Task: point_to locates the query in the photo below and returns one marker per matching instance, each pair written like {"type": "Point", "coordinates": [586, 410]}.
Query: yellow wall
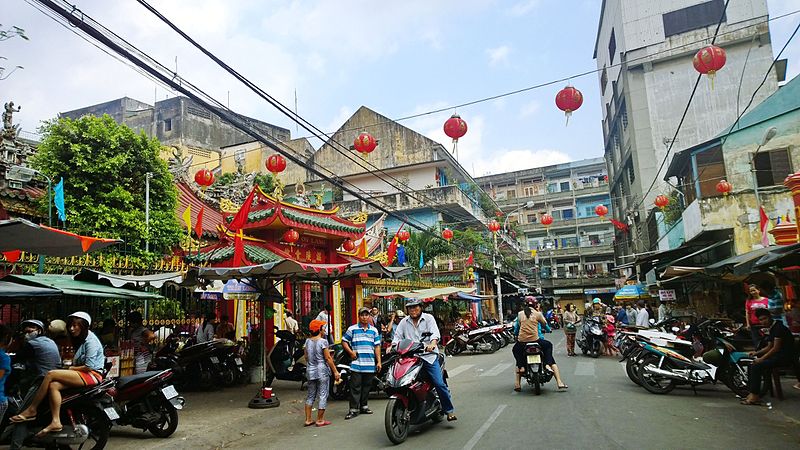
{"type": "Point", "coordinates": [201, 158]}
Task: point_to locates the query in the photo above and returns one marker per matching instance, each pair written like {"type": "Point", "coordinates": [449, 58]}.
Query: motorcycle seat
{"type": "Point", "coordinates": [124, 382]}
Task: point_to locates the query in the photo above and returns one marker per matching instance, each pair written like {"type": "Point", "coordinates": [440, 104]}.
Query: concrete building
{"type": "Point", "coordinates": [572, 257]}
{"type": "Point", "coordinates": [644, 53]}
{"type": "Point", "coordinates": [180, 122]}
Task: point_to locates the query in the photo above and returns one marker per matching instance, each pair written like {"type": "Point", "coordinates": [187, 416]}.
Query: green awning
{"type": "Point", "coordinates": [68, 286]}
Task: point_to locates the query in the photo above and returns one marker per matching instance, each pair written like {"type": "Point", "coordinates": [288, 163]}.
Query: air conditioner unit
{"type": "Point", "coordinates": [14, 184]}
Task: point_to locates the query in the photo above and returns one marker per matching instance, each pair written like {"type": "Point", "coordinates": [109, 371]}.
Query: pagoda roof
{"type": "Point", "coordinates": [269, 212]}
{"type": "Point", "coordinates": [217, 255]}
{"type": "Point", "coordinates": [212, 218]}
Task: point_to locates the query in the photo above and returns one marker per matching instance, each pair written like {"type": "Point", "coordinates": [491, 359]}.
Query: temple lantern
{"type": "Point", "coordinates": [403, 235]}
{"type": "Point", "coordinates": [291, 236]}
{"type": "Point", "coordinates": [601, 210]}
{"type": "Point", "coordinates": [455, 127]}
{"type": "Point", "coordinates": [204, 178]}
{"type": "Point", "coordinates": [365, 143]}
{"type": "Point", "coordinates": [708, 60]}
{"type": "Point", "coordinates": [546, 220]}
{"type": "Point", "coordinates": [662, 201]}
{"type": "Point", "coordinates": [447, 234]}
{"type": "Point", "coordinates": [568, 100]}
{"type": "Point", "coordinates": [724, 188]}
{"type": "Point", "coordinates": [494, 226]}
{"type": "Point", "coordinates": [276, 164]}
{"type": "Point", "coordinates": [348, 245]}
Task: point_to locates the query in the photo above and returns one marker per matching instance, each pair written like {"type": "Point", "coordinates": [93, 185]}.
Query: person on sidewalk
{"type": "Point", "coordinates": [142, 339]}
{"type": "Point", "coordinates": [362, 342]}
{"type": "Point", "coordinates": [325, 316]}
{"type": "Point", "coordinates": [318, 372]}
{"type": "Point", "coordinates": [413, 327]}
{"type": "Point", "coordinates": [291, 324]}
{"type": "Point", "coordinates": [631, 313]}
{"type": "Point", "coordinates": [642, 316]}
{"type": "Point", "coordinates": [571, 319]}
{"type": "Point", "coordinates": [778, 352]}
{"type": "Point", "coordinates": [225, 329]}
{"type": "Point", "coordinates": [754, 301]}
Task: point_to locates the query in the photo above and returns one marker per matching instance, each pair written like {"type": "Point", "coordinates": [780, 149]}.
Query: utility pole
{"type": "Point", "coordinates": [147, 177]}
{"type": "Point", "coordinates": [496, 265]}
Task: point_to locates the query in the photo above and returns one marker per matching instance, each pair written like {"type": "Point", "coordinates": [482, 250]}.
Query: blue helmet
{"type": "Point", "coordinates": [413, 302]}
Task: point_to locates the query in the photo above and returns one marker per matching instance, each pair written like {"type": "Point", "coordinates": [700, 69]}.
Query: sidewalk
{"type": "Point", "coordinates": [218, 419]}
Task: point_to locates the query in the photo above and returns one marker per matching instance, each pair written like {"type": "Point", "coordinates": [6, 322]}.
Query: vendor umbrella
{"type": "Point", "coordinates": [22, 235]}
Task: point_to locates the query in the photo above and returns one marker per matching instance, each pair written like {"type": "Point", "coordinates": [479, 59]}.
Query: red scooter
{"type": "Point", "coordinates": [412, 398]}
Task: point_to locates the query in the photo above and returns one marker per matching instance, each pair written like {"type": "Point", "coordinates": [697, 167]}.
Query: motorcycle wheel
{"type": "Point", "coordinates": [631, 370]}
{"type": "Point", "coordinates": [537, 386]}
{"type": "Point", "coordinates": [502, 341]}
{"type": "Point", "coordinates": [495, 345]}
{"type": "Point", "coordinates": [595, 349]}
{"type": "Point", "coordinates": [653, 383]}
{"type": "Point", "coordinates": [735, 381]}
{"type": "Point", "coordinates": [395, 422]}
{"type": "Point", "coordinates": [167, 424]}
{"type": "Point", "coordinates": [98, 436]}
{"type": "Point", "coordinates": [450, 348]}
{"type": "Point", "coordinates": [228, 377]}
{"type": "Point", "coordinates": [340, 391]}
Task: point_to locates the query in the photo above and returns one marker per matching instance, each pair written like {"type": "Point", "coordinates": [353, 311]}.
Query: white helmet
{"type": "Point", "coordinates": [82, 315]}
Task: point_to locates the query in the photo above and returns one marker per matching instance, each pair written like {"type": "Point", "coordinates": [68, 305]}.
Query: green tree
{"type": "Point", "coordinates": [430, 245]}
{"type": "Point", "coordinates": [104, 165]}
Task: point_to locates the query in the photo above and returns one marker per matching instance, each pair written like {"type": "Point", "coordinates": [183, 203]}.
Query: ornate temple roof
{"type": "Point", "coordinates": [212, 218]}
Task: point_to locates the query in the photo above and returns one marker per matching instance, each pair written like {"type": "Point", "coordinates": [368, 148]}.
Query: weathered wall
{"type": "Point", "coordinates": [415, 177]}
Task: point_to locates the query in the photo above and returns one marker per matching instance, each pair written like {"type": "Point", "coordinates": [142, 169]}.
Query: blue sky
{"type": "Point", "coordinates": [398, 58]}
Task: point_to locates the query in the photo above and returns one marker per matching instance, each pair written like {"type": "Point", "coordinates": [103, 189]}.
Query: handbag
{"type": "Point", "coordinates": [570, 328]}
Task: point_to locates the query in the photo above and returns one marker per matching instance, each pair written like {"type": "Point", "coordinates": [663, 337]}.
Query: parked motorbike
{"type": "Point", "coordinates": [536, 374]}
{"type": "Point", "coordinates": [86, 414]}
{"type": "Point", "coordinates": [148, 401]}
{"type": "Point", "coordinates": [286, 359]}
{"type": "Point", "coordinates": [480, 340]}
{"type": "Point", "coordinates": [413, 400]}
{"type": "Point", "coordinates": [196, 366]}
{"type": "Point", "coordinates": [592, 336]}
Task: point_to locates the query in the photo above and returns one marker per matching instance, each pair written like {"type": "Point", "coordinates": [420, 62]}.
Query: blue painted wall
{"type": "Point", "coordinates": [586, 205]}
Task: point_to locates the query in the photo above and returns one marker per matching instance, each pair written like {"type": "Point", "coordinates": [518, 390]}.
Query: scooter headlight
{"type": "Point", "coordinates": [408, 378]}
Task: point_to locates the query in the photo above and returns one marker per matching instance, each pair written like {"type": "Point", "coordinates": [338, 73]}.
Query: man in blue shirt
{"type": "Point", "coordinates": [362, 342]}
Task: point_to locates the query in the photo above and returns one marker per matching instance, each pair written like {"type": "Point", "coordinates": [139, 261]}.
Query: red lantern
{"type": "Point", "coordinates": [601, 210]}
{"type": "Point", "coordinates": [494, 226]}
{"type": "Point", "coordinates": [455, 127]}
{"type": "Point", "coordinates": [291, 236]}
{"type": "Point", "coordinates": [447, 233]}
{"type": "Point", "coordinates": [498, 213]}
{"type": "Point", "coordinates": [568, 100]}
{"type": "Point", "coordinates": [276, 163]}
{"type": "Point", "coordinates": [546, 220]}
{"type": "Point", "coordinates": [724, 188]}
{"type": "Point", "coordinates": [348, 245]}
{"type": "Point", "coordinates": [365, 143]}
{"type": "Point", "coordinates": [403, 235]}
{"type": "Point", "coordinates": [662, 201]}
{"type": "Point", "coordinates": [204, 178]}
{"type": "Point", "coordinates": [708, 60]}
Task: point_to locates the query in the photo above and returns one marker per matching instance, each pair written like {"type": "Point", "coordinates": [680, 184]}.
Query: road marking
{"type": "Point", "coordinates": [484, 428]}
{"type": "Point", "coordinates": [494, 371]}
{"type": "Point", "coordinates": [459, 369]}
{"type": "Point", "coordinates": [584, 369]}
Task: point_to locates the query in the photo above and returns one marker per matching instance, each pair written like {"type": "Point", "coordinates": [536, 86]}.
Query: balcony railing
{"type": "Point", "coordinates": [602, 188]}
{"type": "Point", "coordinates": [443, 198]}
{"type": "Point", "coordinates": [584, 250]}
{"type": "Point", "coordinates": [564, 223]}
{"type": "Point", "coordinates": [578, 281]}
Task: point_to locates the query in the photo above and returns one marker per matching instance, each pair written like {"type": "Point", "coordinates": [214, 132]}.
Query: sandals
{"type": "Point", "coordinates": [451, 417]}
{"type": "Point", "coordinates": [323, 424]}
{"type": "Point", "coordinates": [45, 431]}
{"type": "Point", "coordinates": [19, 418]}
{"type": "Point", "coordinates": [517, 389]}
{"type": "Point", "coordinates": [308, 424]}
{"type": "Point", "coordinates": [750, 403]}
{"type": "Point", "coordinates": [562, 387]}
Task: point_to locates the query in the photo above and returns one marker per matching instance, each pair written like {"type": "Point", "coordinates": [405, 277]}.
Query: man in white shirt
{"type": "Point", "coordinates": [642, 317]}
{"type": "Point", "coordinates": [291, 324]}
{"type": "Point", "coordinates": [324, 316]}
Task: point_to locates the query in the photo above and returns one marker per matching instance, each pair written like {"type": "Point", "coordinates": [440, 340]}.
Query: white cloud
{"type": "Point", "coordinates": [529, 108]}
{"type": "Point", "coordinates": [503, 160]}
{"type": "Point", "coordinates": [524, 7]}
{"type": "Point", "coordinates": [498, 55]}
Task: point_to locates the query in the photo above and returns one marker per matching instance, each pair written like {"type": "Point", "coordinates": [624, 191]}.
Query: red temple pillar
{"type": "Point", "coordinates": [793, 183]}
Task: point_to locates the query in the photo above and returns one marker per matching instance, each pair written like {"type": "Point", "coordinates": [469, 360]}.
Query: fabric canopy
{"type": "Point", "coordinates": [134, 281]}
{"type": "Point", "coordinates": [67, 286]}
{"type": "Point", "coordinates": [782, 256]}
{"type": "Point", "coordinates": [16, 290]}
{"type": "Point", "coordinates": [290, 268]}
{"type": "Point", "coordinates": [425, 293]}
{"type": "Point", "coordinates": [739, 264]}
{"type": "Point", "coordinates": [26, 236]}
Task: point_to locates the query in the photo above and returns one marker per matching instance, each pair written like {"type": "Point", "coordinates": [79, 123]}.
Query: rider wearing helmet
{"type": "Point", "coordinates": [413, 326]}
{"type": "Point", "coordinates": [39, 353]}
{"type": "Point", "coordinates": [86, 368]}
{"type": "Point", "coordinates": [526, 326]}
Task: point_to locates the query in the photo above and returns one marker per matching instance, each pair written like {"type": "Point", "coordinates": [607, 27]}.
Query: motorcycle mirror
{"type": "Point", "coordinates": [675, 329]}
{"type": "Point", "coordinates": [652, 321]}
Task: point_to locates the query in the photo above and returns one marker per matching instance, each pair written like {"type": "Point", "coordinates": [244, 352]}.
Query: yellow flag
{"type": "Point", "coordinates": [533, 253]}
{"type": "Point", "coordinates": [187, 219]}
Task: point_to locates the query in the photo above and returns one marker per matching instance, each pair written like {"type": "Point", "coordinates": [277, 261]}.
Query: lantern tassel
{"type": "Point", "coordinates": [712, 74]}
{"type": "Point", "coordinates": [568, 114]}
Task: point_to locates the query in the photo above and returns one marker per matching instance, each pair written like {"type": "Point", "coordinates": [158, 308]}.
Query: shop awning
{"type": "Point", "coordinates": [738, 265]}
{"type": "Point", "coordinates": [16, 290]}
{"type": "Point", "coordinates": [289, 268]}
{"type": "Point", "coordinates": [697, 252]}
{"type": "Point", "coordinates": [26, 236]}
{"type": "Point", "coordinates": [67, 286]}
{"type": "Point", "coordinates": [156, 280]}
{"type": "Point", "coordinates": [781, 256]}
{"type": "Point", "coordinates": [465, 296]}
{"type": "Point", "coordinates": [425, 293]}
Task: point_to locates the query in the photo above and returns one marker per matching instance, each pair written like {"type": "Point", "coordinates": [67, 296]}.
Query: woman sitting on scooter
{"type": "Point", "coordinates": [87, 365]}
{"type": "Point", "coordinates": [526, 328]}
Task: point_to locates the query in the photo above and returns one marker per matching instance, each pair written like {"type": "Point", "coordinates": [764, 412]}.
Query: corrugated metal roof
{"type": "Point", "coordinates": [211, 217]}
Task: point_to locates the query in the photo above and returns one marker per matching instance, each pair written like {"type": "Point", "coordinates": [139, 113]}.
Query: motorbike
{"type": "Point", "coordinates": [231, 363]}
{"type": "Point", "coordinates": [480, 340]}
{"type": "Point", "coordinates": [536, 373]}
{"type": "Point", "coordinates": [412, 398]}
{"type": "Point", "coordinates": [286, 359]}
{"type": "Point", "coordinates": [196, 366]}
{"type": "Point", "coordinates": [552, 320]}
{"type": "Point", "coordinates": [342, 360]}
{"type": "Point", "coordinates": [148, 401]}
{"type": "Point", "coordinates": [592, 336]}
{"type": "Point", "coordinates": [86, 413]}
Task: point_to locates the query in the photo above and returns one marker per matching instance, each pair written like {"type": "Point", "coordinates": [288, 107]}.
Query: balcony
{"type": "Point", "coordinates": [584, 281]}
{"type": "Point", "coordinates": [449, 200]}
{"type": "Point", "coordinates": [602, 188]}
{"type": "Point", "coordinates": [587, 250]}
{"type": "Point", "coordinates": [564, 223]}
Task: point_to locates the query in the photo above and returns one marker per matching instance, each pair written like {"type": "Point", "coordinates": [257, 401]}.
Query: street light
{"type": "Point", "coordinates": [147, 177]}
{"type": "Point", "coordinates": [25, 175]}
{"type": "Point", "coordinates": [770, 133]}
{"type": "Point", "coordinates": [496, 263]}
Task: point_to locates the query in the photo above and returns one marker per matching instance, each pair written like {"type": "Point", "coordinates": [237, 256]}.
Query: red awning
{"type": "Point", "coordinates": [21, 235]}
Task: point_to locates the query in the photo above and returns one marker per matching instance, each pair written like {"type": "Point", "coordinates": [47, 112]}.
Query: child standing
{"type": "Point", "coordinates": [318, 371]}
{"type": "Point", "coordinates": [611, 333]}
{"type": "Point", "coordinates": [5, 367]}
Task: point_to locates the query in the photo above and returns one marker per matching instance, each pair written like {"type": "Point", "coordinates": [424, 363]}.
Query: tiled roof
{"type": "Point", "coordinates": [254, 253]}
{"type": "Point", "coordinates": [320, 221]}
{"type": "Point", "coordinates": [255, 216]}
{"type": "Point", "coordinates": [211, 217]}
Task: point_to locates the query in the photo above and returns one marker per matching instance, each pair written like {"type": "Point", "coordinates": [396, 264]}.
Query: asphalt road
{"type": "Point", "coordinates": [601, 409]}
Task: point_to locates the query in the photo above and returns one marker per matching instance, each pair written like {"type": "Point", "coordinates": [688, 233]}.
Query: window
{"type": "Point", "coordinates": [532, 218]}
{"type": "Point", "coordinates": [710, 170]}
{"type": "Point", "coordinates": [623, 112]}
{"type": "Point", "coordinates": [693, 17]}
{"type": "Point", "coordinates": [603, 81]}
{"type": "Point", "coordinates": [594, 239]}
{"type": "Point", "coordinates": [552, 188]}
{"type": "Point", "coordinates": [589, 211]}
{"type": "Point", "coordinates": [511, 194]}
{"type": "Point", "coordinates": [567, 214]}
{"type": "Point", "coordinates": [565, 186]}
{"type": "Point", "coordinates": [612, 47]}
{"type": "Point", "coordinates": [167, 125]}
{"type": "Point", "coordinates": [530, 191]}
{"type": "Point", "coordinates": [772, 167]}
{"type": "Point", "coordinates": [631, 173]}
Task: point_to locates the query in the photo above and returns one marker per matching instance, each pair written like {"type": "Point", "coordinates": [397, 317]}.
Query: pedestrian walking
{"type": "Point", "coordinates": [319, 369]}
{"type": "Point", "coordinates": [571, 319]}
{"type": "Point", "coordinates": [362, 342]}
{"type": "Point", "coordinates": [642, 316]}
{"type": "Point", "coordinates": [325, 316]}
{"type": "Point", "coordinates": [631, 313]}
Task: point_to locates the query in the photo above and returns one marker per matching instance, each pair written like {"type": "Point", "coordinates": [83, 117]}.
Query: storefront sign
{"type": "Point", "coordinates": [667, 295]}
{"type": "Point", "coordinates": [609, 290]}
{"type": "Point", "coordinates": [568, 291]}
{"type": "Point", "coordinates": [238, 287]}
